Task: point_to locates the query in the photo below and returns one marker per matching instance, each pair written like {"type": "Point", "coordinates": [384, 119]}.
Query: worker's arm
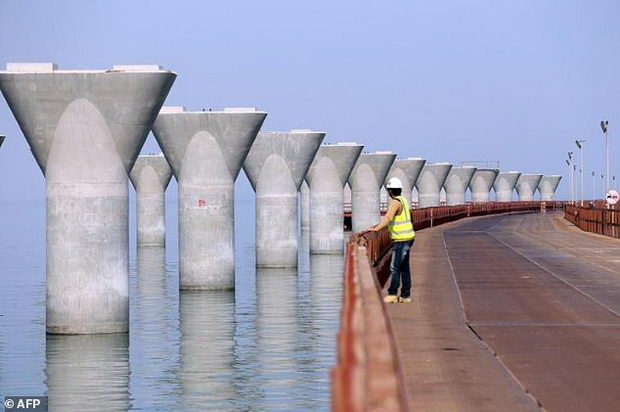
{"type": "Point", "coordinates": [389, 216]}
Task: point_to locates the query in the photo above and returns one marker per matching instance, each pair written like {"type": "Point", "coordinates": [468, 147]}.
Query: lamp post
{"type": "Point", "coordinates": [604, 128]}
{"type": "Point", "coordinates": [571, 191]}
{"type": "Point", "coordinates": [579, 144]}
{"type": "Point", "coordinates": [593, 187]}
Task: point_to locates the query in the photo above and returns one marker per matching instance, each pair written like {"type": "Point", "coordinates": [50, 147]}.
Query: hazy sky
{"type": "Point", "coordinates": [514, 81]}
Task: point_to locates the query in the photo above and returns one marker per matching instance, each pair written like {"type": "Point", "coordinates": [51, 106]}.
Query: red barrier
{"type": "Point", "coordinates": [368, 375]}
{"type": "Point", "coordinates": [594, 219]}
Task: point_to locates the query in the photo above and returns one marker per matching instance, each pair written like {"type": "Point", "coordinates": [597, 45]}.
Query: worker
{"type": "Point", "coordinates": [398, 220]}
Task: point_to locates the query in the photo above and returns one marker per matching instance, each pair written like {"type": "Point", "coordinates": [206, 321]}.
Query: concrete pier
{"type": "Point", "coordinates": [407, 170]}
{"type": "Point", "coordinates": [481, 184]}
{"type": "Point", "coordinates": [326, 177]}
{"type": "Point", "coordinates": [456, 184]}
{"type": "Point", "coordinates": [150, 177]}
{"type": "Point", "coordinates": [85, 130]}
{"type": "Point", "coordinates": [206, 151]}
{"type": "Point", "coordinates": [276, 166]}
{"type": "Point", "coordinates": [526, 186]}
{"type": "Point", "coordinates": [304, 206]}
{"type": "Point", "coordinates": [504, 185]}
{"type": "Point", "coordinates": [430, 182]}
{"type": "Point", "coordinates": [547, 186]}
{"type": "Point", "coordinates": [366, 180]}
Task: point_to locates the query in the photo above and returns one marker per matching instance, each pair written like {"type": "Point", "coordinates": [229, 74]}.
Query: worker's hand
{"type": "Point", "coordinates": [372, 229]}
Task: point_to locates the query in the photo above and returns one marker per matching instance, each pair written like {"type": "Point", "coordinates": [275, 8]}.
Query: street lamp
{"type": "Point", "coordinates": [604, 125]}
{"type": "Point", "coordinates": [571, 178]}
{"type": "Point", "coordinates": [593, 187]}
{"type": "Point", "coordinates": [579, 144]}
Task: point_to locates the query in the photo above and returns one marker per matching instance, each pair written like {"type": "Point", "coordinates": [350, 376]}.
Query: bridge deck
{"type": "Point", "coordinates": [512, 313]}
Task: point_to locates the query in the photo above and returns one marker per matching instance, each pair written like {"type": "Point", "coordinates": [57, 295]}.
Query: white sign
{"type": "Point", "coordinates": [612, 197]}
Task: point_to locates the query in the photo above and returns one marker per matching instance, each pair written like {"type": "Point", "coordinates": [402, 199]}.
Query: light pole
{"type": "Point", "coordinates": [593, 186]}
{"type": "Point", "coordinates": [571, 185]}
{"type": "Point", "coordinates": [570, 194]}
{"type": "Point", "coordinates": [579, 144]}
{"type": "Point", "coordinates": [604, 125]}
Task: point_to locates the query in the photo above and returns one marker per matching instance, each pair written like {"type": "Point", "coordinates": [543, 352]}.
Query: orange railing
{"type": "Point", "coordinates": [368, 374]}
{"type": "Point", "coordinates": [594, 219]}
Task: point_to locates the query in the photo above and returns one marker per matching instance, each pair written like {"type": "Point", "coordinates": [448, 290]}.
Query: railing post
{"type": "Point", "coordinates": [432, 216]}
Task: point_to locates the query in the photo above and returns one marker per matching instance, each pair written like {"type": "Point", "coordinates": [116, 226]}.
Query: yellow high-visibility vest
{"type": "Point", "coordinates": [401, 228]}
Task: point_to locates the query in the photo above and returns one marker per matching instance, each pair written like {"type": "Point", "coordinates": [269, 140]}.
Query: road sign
{"type": "Point", "coordinates": [612, 197]}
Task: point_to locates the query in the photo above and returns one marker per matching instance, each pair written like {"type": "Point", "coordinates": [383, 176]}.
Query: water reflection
{"type": "Point", "coordinates": [207, 372]}
{"type": "Point", "coordinates": [154, 332]}
{"type": "Point", "coordinates": [277, 329]}
{"type": "Point", "coordinates": [326, 302]}
{"type": "Point", "coordinates": [88, 373]}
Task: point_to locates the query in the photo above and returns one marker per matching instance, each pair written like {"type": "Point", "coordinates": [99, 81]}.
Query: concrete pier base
{"type": "Point", "coordinates": [150, 177]}
{"type": "Point", "coordinates": [326, 177]}
{"type": "Point", "coordinates": [304, 206]}
{"type": "Point", "coordinates": [547, 186]}
{"type": "Point", "coordinates": [456, 184]}
{"type": "Point", "coordinates": [85, 129]}
{"type": "Point", "coordinates": [366, 180]}
{"type": "Point", "coordinates": [276, 167]}
{"type": "Point", "coordinates": [430, 182]}
{"type": "Point", "coordinates": [526, 186]}
{"type": "Point", "coordinates": [206, 151]}
{"type": "Point", "coordinates": [407, 170]}
{"type": "Point", "coordinates": [481, 184]}
{"type": "Point", "coordinates": [504, 185]}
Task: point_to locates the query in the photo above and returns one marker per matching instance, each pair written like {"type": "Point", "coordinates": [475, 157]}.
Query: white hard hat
{"type": "Point", "coordinates": [394, 183]}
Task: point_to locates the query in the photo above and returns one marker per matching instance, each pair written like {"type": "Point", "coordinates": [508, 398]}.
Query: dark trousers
{"type": "Point", "coordinates": [400, 268]}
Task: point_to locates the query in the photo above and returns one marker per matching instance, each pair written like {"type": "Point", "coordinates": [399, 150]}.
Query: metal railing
{"type": "Point", "coordinates": [594, 219]}
{"type": "Point", "coordinates": [368, 374]}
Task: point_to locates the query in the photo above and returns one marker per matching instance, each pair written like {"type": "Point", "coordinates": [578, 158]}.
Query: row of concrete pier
{"type": "Point", "coordinates": [86, 129]}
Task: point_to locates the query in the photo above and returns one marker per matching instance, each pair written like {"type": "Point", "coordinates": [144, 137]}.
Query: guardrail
{"type": "Point", "coordinates": [594, 219]}
{"type": "Point", "coordinates": [368, 374]}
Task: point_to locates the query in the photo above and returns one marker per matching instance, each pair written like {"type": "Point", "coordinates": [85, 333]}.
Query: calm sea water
{"type": "Point", "coordinates": [269, 345]}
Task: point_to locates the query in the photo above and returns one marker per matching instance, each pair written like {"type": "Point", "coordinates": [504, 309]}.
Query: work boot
{"type": "Point", "coordinates": [404, 300]}
{"type": "Point", "coordinates": [390, 298]}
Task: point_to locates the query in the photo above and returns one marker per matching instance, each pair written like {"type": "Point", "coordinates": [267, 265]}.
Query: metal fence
{"type": "Point", "coordinates": [594, 219]}
{"type": "Point", "coordinates": [368, 374]}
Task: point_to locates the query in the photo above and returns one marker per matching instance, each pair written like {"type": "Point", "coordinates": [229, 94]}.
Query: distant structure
{"type": "Point", "coordinates": [150, 176]}
{"type": "Point", "coordinates": [547, 186]}
{"type": "Point", "coordinates": [366, 180]}
{"type": "Point", "coordinates": [481, 184]}
{"type": "Point", "coordinates": [85, 129]}
{"type": "Point", "coordinates": [430, 183]}
{"type": "Point", "coordinates": [456, 184]}
{"type": "Point", "coordinates": [206, 150]}
{"type": "Point", "coordinates": [504, 185]}
{"type": "Point", "coordinates": [326, 178]}
{"type": "Point", "coordinates": [407, 170]}
{"type": "Point", "coordinates": [527, 185]}
{"type": "Point", "coordinates": [276, 166]}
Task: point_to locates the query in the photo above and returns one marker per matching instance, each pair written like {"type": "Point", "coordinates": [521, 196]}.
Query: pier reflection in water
{"type": "Point", "coordinates": [87, 373]}
{"type": "Point", "coordinates": [207, 373]}
{"type": "Point", "coordinates": [155, 335]}
{"type": "Point", "coordinates": [269, 345]}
